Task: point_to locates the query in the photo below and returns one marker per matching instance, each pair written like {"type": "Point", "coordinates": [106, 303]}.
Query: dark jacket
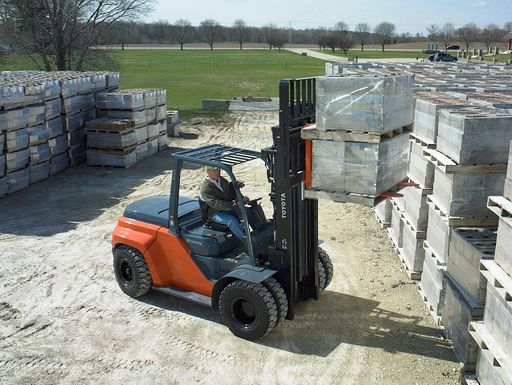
{"type": "Point", "coordinates": [216, 199]}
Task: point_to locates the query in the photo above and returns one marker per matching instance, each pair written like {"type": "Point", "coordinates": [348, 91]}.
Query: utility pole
{"type": "Point", "coordinates": [290, 34]}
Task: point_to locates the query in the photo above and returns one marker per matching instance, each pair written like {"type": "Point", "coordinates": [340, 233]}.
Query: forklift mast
{"type": "Point", "coordinates": [295, 253]}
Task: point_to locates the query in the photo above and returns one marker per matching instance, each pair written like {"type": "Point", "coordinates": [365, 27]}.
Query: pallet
{"type": "Point", "coordinates": [114, 150]}
{"type": "Point", "coordinates": [469, 379]}
{"type": "Point", "coordinates": [413, 275]}
{"type": "Point", "coordinates": [420, 142]}
{"type": "Point", "coordinates": [462, 221]}
{"type": "Point", "coordinates": [491, 348]}
{"type": "Point", "coordinates": [449, 166]}
{"type": "Point", "coordinates": [383, 225]}
{"type": "Point", "coordinates": [390, 232]}
{"type": "Point", "coordinates": [498, 278]}
{"type": "Point", "coordinates": [312, 132]}
{"type": "Point", "coordinates": [437, 318]}
{"type": "Point", "coordinates": [110, 125]}
{"type": "Point", "coordinates": [501, 206]}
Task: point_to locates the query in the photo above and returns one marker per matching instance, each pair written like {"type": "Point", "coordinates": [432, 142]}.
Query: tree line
{"type": "Point", "coordinates": [64, 34]}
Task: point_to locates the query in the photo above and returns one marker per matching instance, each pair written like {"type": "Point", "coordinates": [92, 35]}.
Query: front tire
{"type": "Point", "coordinates": [248, 309]}
{"type": "Point", "coordinates": [279, 296]}
{"type": "Point", "coordinates": [328, 268]}
{"type": "Point", "coordinates": [132, 272]}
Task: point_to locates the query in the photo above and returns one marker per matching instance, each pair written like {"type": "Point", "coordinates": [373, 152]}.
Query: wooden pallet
{"type": "Point", "coordinates": [448, 166]}
{"type": "Point", "coordinates": [110, 125]}
{"type": "Point", "coordinates": [469, 379]}
{"type": "Point", "coordinates": [461, 221]}
{"type": "Point", "coordinates": [382, 224]}
{"type": "Point", "coordinates": [420, 142]}
{"type": "Point", "coordinates": [430, 308]}
{"type": "Point", "coordinates": [501, 206]}
{"type": "Point", "coordinates": [413, 275]}
{"type": "Point", "coordinates": [498, 278]}
{"type": "Point", "coordinates": [491, 348]}
{"type": "Point", "coordinates": [312, 132]}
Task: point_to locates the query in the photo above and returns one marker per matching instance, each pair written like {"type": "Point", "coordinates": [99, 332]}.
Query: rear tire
{"type": "Point", "coordinates": [132, 272]}
{"type": "Point", "coordinates": [279, 296]}
{"type": "Point", "coordinates": [326, 262]}
{"type": "Point", "coordinates": [248, 309]}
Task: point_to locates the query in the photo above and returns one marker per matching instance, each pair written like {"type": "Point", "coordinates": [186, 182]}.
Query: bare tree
{"type": "Point", "coordinates": [270, 32]}
{"type": "Point", "coordinates": [492, 34]}
{"type": "Point", "coordinates": [384, 33]}
{"type": "Point", "coordinates": [241, 31]}
{"type": "Point", "coordinates": [210, 30]}
{"type": "Point", "coordinates": [447, 34]}
{"type": "Point", "coordinates": [508, 26]}
{"type": "Point", "coordinates": [468, 33]}
{"type": "Point", "coordinates": [363, 34]}
{"type": "Point", "coordinates": [182, 32]}
{"type": "Point", "coordinates": [321, 38]}
{"type": "Point", "coordinates": [344, 43]}
{"type": "Point", "coordinates": [61, 33]}
{"type": "Point", "coordinates": [433, 31]}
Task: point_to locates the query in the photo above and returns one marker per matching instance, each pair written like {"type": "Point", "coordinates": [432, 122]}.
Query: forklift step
{"type": "Point", "coordinates": [188, 295]}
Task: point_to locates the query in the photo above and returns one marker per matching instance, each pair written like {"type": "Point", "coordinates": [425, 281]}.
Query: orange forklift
{"type": "Point", "coordinates": [165, 243]}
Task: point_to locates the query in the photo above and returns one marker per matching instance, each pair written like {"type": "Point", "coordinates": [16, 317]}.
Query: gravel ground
{"type": "Point", "coordinates": [64, 320]}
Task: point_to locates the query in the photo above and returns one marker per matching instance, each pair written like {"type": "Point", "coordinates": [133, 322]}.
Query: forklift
{"type": "Point", "coordinates": [164, 242]}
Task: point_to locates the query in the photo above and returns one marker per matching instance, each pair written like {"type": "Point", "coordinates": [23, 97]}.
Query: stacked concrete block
{"type": "Point", "coordinates": [507, 191]}
{"type": "Point", "coordinates": [383, 210]}
{"type": "Point", "coordinates": [395, 231]}
{"type": "Point", "coordinates": [432, 285]}
{"type": "Point", "coordinates": [3, 180]}
{"type": "Point", "coordinates": [173, 124]}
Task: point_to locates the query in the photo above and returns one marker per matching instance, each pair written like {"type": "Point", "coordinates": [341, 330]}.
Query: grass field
{"type": "Point", "coordinates": [378, 54]}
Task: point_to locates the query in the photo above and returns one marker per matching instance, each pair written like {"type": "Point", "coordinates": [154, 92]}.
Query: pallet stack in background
{"type": "Point", "coordinates": [493, 335]}
{"type": "Point", "coordinates": [360, 140]}
{"type": "Point", "coordinates": [131, 126]}
{"type": "Point", "coordinates": [43, 117]}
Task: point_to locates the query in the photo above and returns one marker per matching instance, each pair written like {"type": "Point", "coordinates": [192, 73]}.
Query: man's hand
{"type": "Point", "coordinates": [246, 200]}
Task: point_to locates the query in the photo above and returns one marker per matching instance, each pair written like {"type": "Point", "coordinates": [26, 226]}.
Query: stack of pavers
{"type": "Point", "coordinates": [131, 126]}
{"type": "Point", "coordinates": [41, 119]}
{"type": "Point", "coordinates": [493, 335]}
{"type": "Point", "coordinates": [360, 140]}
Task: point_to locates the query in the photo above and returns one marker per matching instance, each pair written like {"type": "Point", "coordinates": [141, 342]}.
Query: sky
{"type": "Point", "coordinates": [407, 15]}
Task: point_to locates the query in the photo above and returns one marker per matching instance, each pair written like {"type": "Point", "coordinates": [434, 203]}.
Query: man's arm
{"type": "Point", "coordinates": [209, 196]}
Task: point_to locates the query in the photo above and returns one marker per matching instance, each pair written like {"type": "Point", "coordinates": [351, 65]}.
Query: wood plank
{"type": "Point", "coordinates": [495, 276]}
{"type": "Point", "coordinates": [501, 206]}
{"type": "Point", "coordinates": [366, 200]}
{"type": "Point", "coordinates": [461, 221]}
{"type": "Point", "coordinates": [448, 166]}
{"type": "Point", "coordinates": [420, 142]}
{"type": "Point", "coordinates": [413, 275]}
{"type": "Point", "coordinates": [311, 132]}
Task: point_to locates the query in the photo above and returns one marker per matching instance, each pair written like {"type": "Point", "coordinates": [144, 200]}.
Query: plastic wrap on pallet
{"type": "Point", "coordinates": [139, 117]}
{"type": "Point", "coordinates": [111, 139]}
{"type": "Point", "coordinates": [503, 254]}
{"type": "Point", "coordinates": [475, 135]}
{"type": "Point", "coordinates": [458, 311]}
{"type": "Point", "coordinates": [3, 186]}
{"type": "Point", "coordinates": [412, 245]}
{"type": "Point", "coordinates": [73, 122]}
{"type": "Point", "coordinates": [364, 104]}
{"type": "Point", "coordinates": [507, 192]}
{"type": "Point", "coordinates": [39, 153]}
{"type": "Point", "coordinates": [39, 172]}
{"type": "Point", "coordinates": [55, 127]}
{"type": "Point", "coordinates": [18, 180]}
{"type": "Point", "coordinates": [426, 115]}
{"type": "Point", "coordinates": [16, 140]}
{"type": "Point", "coordinates": [52, 108]}
{"type": "Point", "coordinates": [58, 145]}
{"type": "Point", "coordinates": [17, 160]}
{"type": "Point", "coordinates": [465, 195]}
{"type": "Point", "coordinates": [122, 100]}
{"type": "Point", "coordinates": [112, 159]}
{"type": "Point", "coordinates": [498, 318]}
{"type": "Point", "coordinates": [13, 119]}
{"type": "Point", "coordinates": [36, 115]}
{"type": "Point", "coordinates": [59, 163]}
{"type": "Point", "coordinates": [468, 246]}
{"type": "Point", "coordinates": [433, 282]}
{"type": "Point", "coordinates": [356, 167]}
{"type": "Point", "coordinates": [438, 234]}
{"type": "Point", "coordinates": [420, 169]}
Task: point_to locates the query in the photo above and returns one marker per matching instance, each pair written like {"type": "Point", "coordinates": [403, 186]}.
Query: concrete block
{"type": "Point", "coordinates": [152, 146]}
{"type": "Point", "coordinates": [468, 246]}
{"type": "Point", "coordinates": [37, 135]}
{"type": "Point", "coordinates": [397, 226]}
{"type": "Point", "coordinates": [76, 138]}
{"type": "Point", "coordinates": [139, 117]}
{"type": "Point", "coordinates": [486, 372]}
{"type": "Point", "coordinates": [73, 122]}
{"type": "Point", "coordinates": [112, 140]}
{"type": "Point", "coordinates": [58, 145]}
{"type": "Point", "coordinates": [122, 100]}
{"type": "Point", "coordinates": [151, 115]}
{"type": "Point", "coordinates": [149, 98]}
{"type": "Point", "coordinates": [39, 172]}
{"type": "Point", "coordinates": [11, 120]}
{"type": "Point", "coordinates": [112, 158]}
{"type": "Point", "coordinates": [426, 115]}
{"type": "Point", "coordinates": [503, 254]}
{"type": "Point", "coordinates": [2, 165]}
{"type": "Point", "coordinates": [420, 169]}
{"type": "Point", "coordinates": [161, 112]}
{"type": "Point", "coordinates": [475, 136]}
{"type": "Point", "coordinates": [153, 130]}
{"type": "Point", "coordinates": [77, 154]}
{"type": "Point", "coordinates": [3, 186]}
{"type": "Point", "coordinates": [16, 140]}
{"type": "Point", "coordinates": [18, 180]}
{"type": "Point", "coordinates": [383, 211]}
{"type": "Point", "coordinates": [356, 167]}
{"type": "Point", "coordinates": [163, 141]}
{"type": "Point", "coordinates": [39, 153]}
{"type": "Point", "coordinates": [36, 115]}
{"type": "Point", "coordinates": [55, 126]}
{"type": "Point", "coordinates": [17, 160]}
{"type": "Point", "coordinates": [142, 134]}
{"type": "Point", "coordinates": [433, 282]}
{"type": "Point", "coordinates": [458, 311]}
{"type": "Point", "coordinates": [412, 247]}
{"type": "Point", "coordinates": [465, 195]}
{"type": "Point", "coordinates": [416, 207]}
{"type": "Point", "coordinates": [508, 180]}
{"type": "Point", "coordinates": [59, 163]}
{"type": "Point", "coordinates": [438, 234]}
{"type": "Point", "coordinates": [141, 151]}
{"type": "Point", "coordinates": [2, 142]}
{"type": "Point", "coordinates": [364, 103]}
{"type": "Point", "coordinates": [52, 108]}
{"type": "Point", "coordinates": [89, 115]}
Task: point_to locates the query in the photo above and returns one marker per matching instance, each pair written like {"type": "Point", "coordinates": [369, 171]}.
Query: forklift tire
{"type": "Point", "coordinates": [279, 296]}
{"type": "Point", "coordinates": [321, 276]}
{"type": "Point", "coordinates": [327, 264]}
{"type": "Point", "coordinates": [131, 270]}
{"type": "Point", "coordinates": [248, 309]}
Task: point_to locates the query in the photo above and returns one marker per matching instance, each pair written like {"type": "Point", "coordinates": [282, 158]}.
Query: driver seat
{"type": "Point", "coordinates": [206, 222]}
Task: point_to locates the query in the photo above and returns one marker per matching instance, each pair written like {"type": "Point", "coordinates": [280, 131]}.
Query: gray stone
{"type": "Point", "coordinates": [39, 153]}
{"type": "Point", "coordinates": [498, 318]}
{"type": "Point", "coordinates": [113, 159]}
{"type": "Point", "coordinates": [59, 163]}
{"type": "Point", "coordinates": [17, 160]}
{"type": "Point", "coordinates": [416, 207]}
{"type": "Point", "coordinates": [16, 140]}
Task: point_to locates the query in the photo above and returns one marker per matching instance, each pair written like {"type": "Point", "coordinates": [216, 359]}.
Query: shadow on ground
{"type": "Point", "coordinates": [78, 194]}
{"type": "Point", "coordinates": [322, 326]}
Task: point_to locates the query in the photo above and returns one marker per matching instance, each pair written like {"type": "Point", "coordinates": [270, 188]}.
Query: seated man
{"type": "Point", "coordinates": [216, 193]}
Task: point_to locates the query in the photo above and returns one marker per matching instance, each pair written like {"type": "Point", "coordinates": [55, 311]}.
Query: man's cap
{"type": "Point", "coordinates": [211, 168]}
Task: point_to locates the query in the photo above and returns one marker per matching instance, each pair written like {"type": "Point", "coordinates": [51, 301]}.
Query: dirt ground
{"type": "Point", "coordinates": [64, 320]}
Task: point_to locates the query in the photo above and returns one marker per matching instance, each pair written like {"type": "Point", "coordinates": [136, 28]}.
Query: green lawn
{"type": "Point", "coordinates": [378, 54]}
{"type": "Point", "coordinates": [193, 75]}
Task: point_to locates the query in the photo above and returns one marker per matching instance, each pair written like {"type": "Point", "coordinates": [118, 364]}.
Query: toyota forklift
{"type": "Point", "coordinates": [164, 242]}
